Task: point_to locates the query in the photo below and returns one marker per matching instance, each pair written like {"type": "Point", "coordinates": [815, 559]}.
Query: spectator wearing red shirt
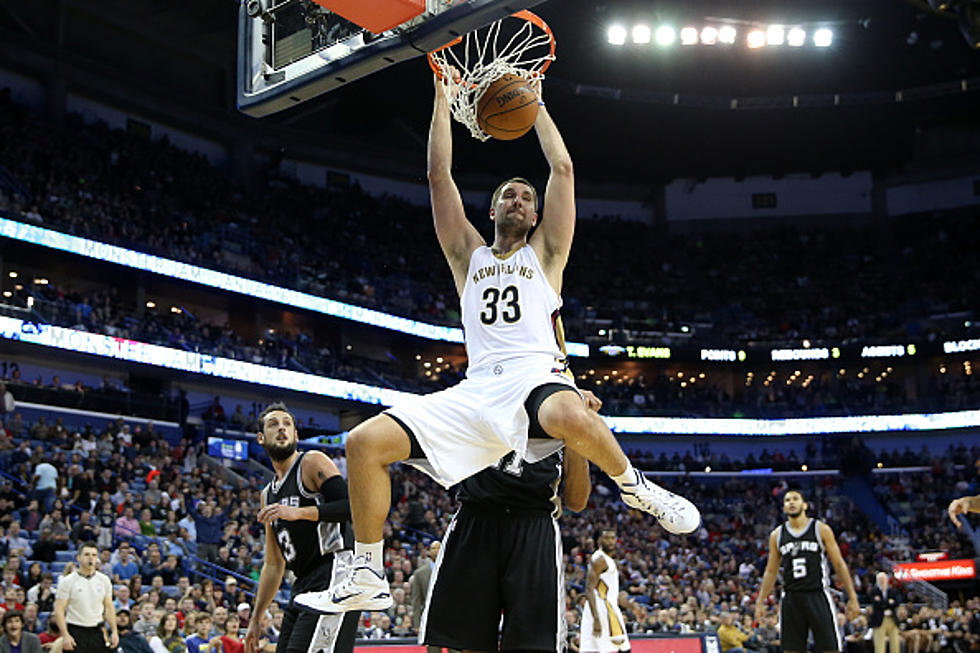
{"type": "Point", "coordinates": [230, 642]}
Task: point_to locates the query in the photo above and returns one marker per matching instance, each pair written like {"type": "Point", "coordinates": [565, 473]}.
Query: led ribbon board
{"type": "Point", "coordinates": [795, 426]}
{"type": "Point", "coordinates": [188, 361]}
{"type": "Point", "coordinates": [169, 268]}
{"type": "Point", "coordinates": [140, 352]}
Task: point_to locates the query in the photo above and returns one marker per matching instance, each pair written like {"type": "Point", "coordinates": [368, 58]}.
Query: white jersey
{"type": "Point", "coordinates": [509, 309]}
{"type": "Point", "coordinates": [608, 588]}
{"type": "Point", "coordinates": [612, 636]}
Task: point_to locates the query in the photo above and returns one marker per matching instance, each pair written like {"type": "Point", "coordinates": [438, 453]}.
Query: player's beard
{"type": "Point", "coordinates": [278, 452]}
{"type": "Point", "coordinates": [794, 515]}
{"type": "Point", "coordinates": [514, 225]}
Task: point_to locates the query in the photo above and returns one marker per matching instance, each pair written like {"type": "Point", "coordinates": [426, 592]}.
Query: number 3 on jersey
{"type": "Point", "coordinates": [511, 310]}
{"type": "Point", "coordinates": [286, 544]}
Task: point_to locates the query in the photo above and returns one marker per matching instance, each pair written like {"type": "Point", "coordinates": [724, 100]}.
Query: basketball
{"type": "Point", "coordinates": [508, 108]}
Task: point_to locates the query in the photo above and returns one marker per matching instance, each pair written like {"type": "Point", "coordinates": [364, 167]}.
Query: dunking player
{"type": "Point", "coordinates": [305, 510]}
{"type": "Point", "coordinates": [603, 626]}
{"type": "Point", "coordinates": [804, 546]}
{"type": "Point", "coordinates": [504, 540]}
{"type": "Point", "coordinates": [509, 295]}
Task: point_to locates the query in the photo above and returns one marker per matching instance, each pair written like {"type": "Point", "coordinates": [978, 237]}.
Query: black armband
{"type": "Point", "coordinates": [334, 505]}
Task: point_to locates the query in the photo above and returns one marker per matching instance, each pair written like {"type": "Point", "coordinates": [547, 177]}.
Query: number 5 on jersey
{"type": "Point", "coordinates": [799, 567]}
{"type": "Point", "coordinates": [510, 311]}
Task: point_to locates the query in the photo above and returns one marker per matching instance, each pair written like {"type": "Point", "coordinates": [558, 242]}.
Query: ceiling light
{"type": "Point", "coordinates": [727, 34]}
{"type": "Point", "coordinates": [665, 35]}
{"type": "Point", "coordinates": [709, 36]}
{"type": "Point", "coordinates": [151, 304]}
{"type": "Point", "coordinates": [796, 37]}
{"type": "Point", "coordinates": [776, 35]}
{"type": "Point", "coordinates": [616, 35]}
{"type": "Point", "coordinates": [823, 37]}
{"type": "Point", "coordinates": [641, 34]}
{"type": "Point", "coordinates": [689, 36]}
{"type": "Point", "coordinates": [756, 39]}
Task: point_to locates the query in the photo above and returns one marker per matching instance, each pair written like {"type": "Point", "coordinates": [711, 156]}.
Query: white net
{"type": "Point", "coordinates": [514, 45]}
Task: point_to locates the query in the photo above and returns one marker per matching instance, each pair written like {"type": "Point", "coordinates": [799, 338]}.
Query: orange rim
{"type": "Point", "coordinates": [523, 14]}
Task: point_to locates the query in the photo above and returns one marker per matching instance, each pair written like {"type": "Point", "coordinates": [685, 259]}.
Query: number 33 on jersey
{"type": "Point", "coordinates": [509, 309]}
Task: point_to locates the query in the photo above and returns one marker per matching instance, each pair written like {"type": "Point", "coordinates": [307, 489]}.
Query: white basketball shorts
{"type": "Point", "coordinates": [470, 426]}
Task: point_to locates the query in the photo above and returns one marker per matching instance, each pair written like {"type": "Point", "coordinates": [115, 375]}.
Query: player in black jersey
{"type": "Point", "coordinates": [306, 512]}
{"type": "Point", "coordinates": [502, 555]}
{"type": "Point", "coordinates": [804, 546]}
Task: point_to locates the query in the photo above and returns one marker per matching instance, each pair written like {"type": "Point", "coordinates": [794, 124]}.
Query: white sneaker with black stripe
{"type": "Point", "coordinates": [676, 514]}
{"type": "Point", "coordinates": [362, 588]}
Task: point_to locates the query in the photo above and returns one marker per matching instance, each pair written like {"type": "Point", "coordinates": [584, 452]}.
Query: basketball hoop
{"type": "Point", "coordinates": [521, 44]}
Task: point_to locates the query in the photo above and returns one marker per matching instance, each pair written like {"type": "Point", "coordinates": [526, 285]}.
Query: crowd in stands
{"type": "Point", "coordinates": [776, 284]}
{"type": "Point", "coordinates": [180, 538]}
{"type": "Point", "coordinates": [828, 393]}
{"type": "Point", "coordinates": [102, 310]}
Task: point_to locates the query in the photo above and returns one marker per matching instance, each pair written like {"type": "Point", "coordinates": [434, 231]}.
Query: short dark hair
{"type": "Point", "coordinates": [520, 180]}
{"type": "Point", "coordinates": [602, 530]}
{"type": "Point", "coordinates": [798, 491]}
{"type": "Point", "coordinates": [12, 614]}
{"type": "Point", "coordinates": [88, 545]}
{"type": "Point", "coordinates": [273, 407]}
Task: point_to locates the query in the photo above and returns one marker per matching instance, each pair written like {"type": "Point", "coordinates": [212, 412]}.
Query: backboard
{"type": "Point", "coordinates": [290, 51]}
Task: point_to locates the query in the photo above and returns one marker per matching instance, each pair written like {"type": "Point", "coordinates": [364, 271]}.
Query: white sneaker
{"type": "Point", "coordinates": [362, 588]}
{"type": "Point", "coordinates": [676, 514]}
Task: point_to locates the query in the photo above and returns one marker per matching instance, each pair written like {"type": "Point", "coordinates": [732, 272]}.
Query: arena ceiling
{"type": "Point", "coordinates": [184, 51]}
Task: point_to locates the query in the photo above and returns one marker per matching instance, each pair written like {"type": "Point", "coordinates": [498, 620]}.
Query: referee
{"type": "Point", "coordinates": [83, 603]}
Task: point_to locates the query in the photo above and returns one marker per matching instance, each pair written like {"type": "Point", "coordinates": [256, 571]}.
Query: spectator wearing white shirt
{"type": "Point", "coordinates": [42, 593]}
{"type": "Point", "coordinates": [7, 403]}
{"type": "Point", "coordinates": [45, 484]}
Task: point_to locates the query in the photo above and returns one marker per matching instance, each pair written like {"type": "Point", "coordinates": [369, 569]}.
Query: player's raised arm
{"type": "Point", "coordinates": [769, 576]}
{"type": "Point", "coordinates": [457, 237]}
{"type": "Point", "coordinates": [553, 239]}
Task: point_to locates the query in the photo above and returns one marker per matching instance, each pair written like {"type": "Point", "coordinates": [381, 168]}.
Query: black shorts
{"type": "Point", "coordinates": [88, 639]}
{"type": "Point", "coordinates": [310, 632]}
{"type": "Point", "coordinates": [803, 612]}
{"type": "Point", "coordinates": [492, 564]}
